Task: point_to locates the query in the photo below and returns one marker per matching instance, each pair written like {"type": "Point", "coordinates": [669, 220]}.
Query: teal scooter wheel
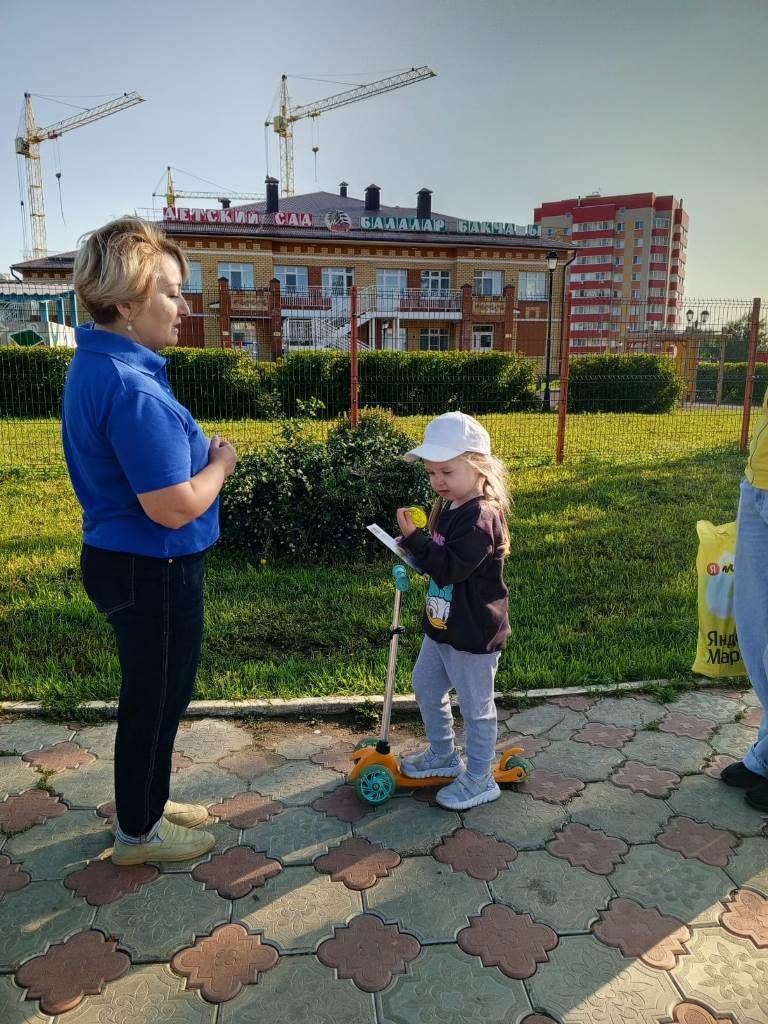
{"type": "Point", "coordinates": [518, 762]}
{"type": "Point", "coordinates": [375, 784]}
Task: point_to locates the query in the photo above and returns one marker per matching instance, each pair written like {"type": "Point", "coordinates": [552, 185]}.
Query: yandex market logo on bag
{"type": "Point", "coordinates": [714, 568]}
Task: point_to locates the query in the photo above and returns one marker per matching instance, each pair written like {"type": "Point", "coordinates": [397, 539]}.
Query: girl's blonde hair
{"type": "Point", "coordinates": [495, 492]}
{"type": "Point", "coordinates": [119, 263]}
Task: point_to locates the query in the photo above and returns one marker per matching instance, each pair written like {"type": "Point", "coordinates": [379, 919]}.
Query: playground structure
{"type": "Point", "coordinates": [26, 317]}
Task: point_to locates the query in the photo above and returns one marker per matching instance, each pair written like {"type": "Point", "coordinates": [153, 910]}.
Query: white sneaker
{"type": "Point", "coordinates": [467, 792]}
{"type": "Point", "coordinates": [428, 763]}
{"type": "Point", "coordinates": [173, 843]}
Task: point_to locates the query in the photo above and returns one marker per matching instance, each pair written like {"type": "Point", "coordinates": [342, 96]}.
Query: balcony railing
{"type": "Point", "coordinates": [373, 300]}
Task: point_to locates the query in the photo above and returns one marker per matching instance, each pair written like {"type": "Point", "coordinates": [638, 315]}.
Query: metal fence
{"type": "Point", "coordinates": [560, 381]}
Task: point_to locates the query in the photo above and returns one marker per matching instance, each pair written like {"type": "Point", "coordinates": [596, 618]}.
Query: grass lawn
{"type": "Point", "coordinates": [602, 579]}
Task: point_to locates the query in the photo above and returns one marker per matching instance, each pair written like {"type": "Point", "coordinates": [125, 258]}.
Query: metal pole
{"type": "Point", "coordinates": [750, 382]}
{"type": "Point", "coordinates": [386, 711]}
{"type": "Point", "coordinates": [720, 373]}
{"type": "Point", "coordinates": [549, 343]}
{"type": "Point", "coordinates": [354, 412]}
{"type": "Point", "coordinates": [565, 371]}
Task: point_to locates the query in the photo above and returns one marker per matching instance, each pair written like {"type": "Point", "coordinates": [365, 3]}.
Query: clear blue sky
{"type": "Point", "coordinates": [528, 106]}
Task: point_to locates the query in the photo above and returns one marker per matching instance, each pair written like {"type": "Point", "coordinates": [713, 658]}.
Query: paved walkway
{"type": "Point", "coordinates": [621, 883]}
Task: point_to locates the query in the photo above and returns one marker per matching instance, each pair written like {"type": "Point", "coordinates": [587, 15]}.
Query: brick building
{"type": "Point", "coordinates": [276, 276]}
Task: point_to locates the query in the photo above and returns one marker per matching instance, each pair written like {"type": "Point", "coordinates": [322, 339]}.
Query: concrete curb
{"type": "Point", "coordinates": [327, 706]}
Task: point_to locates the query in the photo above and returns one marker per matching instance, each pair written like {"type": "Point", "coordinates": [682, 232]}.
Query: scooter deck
{"type": "Point", "coordinates": [366, 756]}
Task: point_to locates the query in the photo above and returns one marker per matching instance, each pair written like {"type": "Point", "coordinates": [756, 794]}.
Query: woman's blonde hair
{"type": "Point", "coordinates": [119, 263]}
{"type": "Point", "coordinates": [495, 492]}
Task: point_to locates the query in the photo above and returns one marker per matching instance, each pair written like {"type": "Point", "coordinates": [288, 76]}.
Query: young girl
{"type": "Point", "coordinates": [466, 623]}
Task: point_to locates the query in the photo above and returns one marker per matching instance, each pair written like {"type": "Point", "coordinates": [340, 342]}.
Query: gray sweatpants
{"type": "Point", "coordinates": [440, 668]}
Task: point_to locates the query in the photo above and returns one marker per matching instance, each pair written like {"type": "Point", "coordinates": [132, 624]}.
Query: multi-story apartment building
{"type": "Point", "coordinates": [628, 277]}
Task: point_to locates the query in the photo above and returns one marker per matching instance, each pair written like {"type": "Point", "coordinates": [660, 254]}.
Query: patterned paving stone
{"type": "Point", "coordinates": [250, 761]}
{"type": "Point", "coordinates": [297, 909]}
{"type": "Point", "coordinates": [299, 989]}
{"type": "Point", "coordinates": [705, 704]}
{"type": "Point", "coordinates": [716, 766]}
{"type": "Point", "coordinates": [236, 872]}
{"type": "Point", "coordinates": [34, 917]}
{"type": "Point", "coordinates": [551, 786]}
{"type": "Point", "coordinates": [707, 800]}
{"type": "Point", "coordinates": [343, 803]}
{"type": "Point", "coordinates": [476, 854]}
{"type": "Point", "coordinates": [14, 1008]}
{"type": "Point", "coordinates": [586, 982]}
{"type": "Point", "coordinates": [245, 810]}
{"type": "Point", "coordinates": [220, 965]}
{"type": "Point", "coordinates": [578, 702]}
{"type": "Point", "coordinates": [297, 836]}
{"type": "Point", "coordinates": [427, 899]}
{"type": "Point", "coordinates": [300, 746]}
{"type": "Point", "coordinates": [746, 914]}
{"type": "Point", "coordinates": [147, 933]}
{"type": "Point", "coordinates": [749, 698]}
{"type": "Point", "coordinates": [588, 848]}
{"type": "Point", "coordinates": [694, 839]}
{"type": "Point", "coordinates": [685, 889]}
{"type": "Point", "coordinates": [60, 846]}
{"type": "Point", "coordinates": [148, 994]}
{"type": "Point", "coordinates": [226, 837]}
{"type": "Point", "coordinates": [518, 819]}
{"type": "Point", "coordinates": [672, 753]}
{"type": "Point", "coordinates": [538, 720]}
{"type": "Point", "coordinates": [180, 761]}
{"type": "Point", "coordinates": [15, 776]}
{"type": "Point", "coordinates": [358, 863]}
{"type": "Point", "coordinates": [448, 986]}
{"type": "Point", "coordinates": [625, 712]}
{"type": "Point", "coordinates": [734, 739]}
{"type": "Point", "coordinates": [23, 734]}
{"type": "Point", "coordinates": [602, 806]}
{"type": "Point", "coordinates": [570, 723]}
{"type": "Point", "coordinates": [580, 761]}
{"type": "Point", "coordinates": [532, 745]}
{"type": "Point", "coordinates": [749, 865]}
{"type": "Point", "coordinates": [103, 882]}
{"type": "Point", "coordinates": [297, 782]}
{"type": "Point", "coordinates": [71, 970]}
{"type": "Point", "coordinates": [692, 1013]}
{"type": "Point", "coordinates": [12, 878]}
{"type": "Point", "coordinates": [552, 891]}
{"type": "Point", "coordinates": [337, 758]}
{"type": "Point", "coordinates": [642, 932]}
{"type": "Point", "coordinates": [599, 735]}
{"type": "Point", "coordinates": [687, 725]}
{"type": "Point", "coordinates": [369, 952]}
{"type": "Point", "coordinates": [753, 718]}
{"type": "Point", "coordinates": [539, 1018]}
{"type": "Point", "coordinates": [32, 807]}
{"type": "Point", "coordinates": [88, 786]}
{"type": "Point", "coordinates": [723, 972]}
{"type": "Point", "coordinates": [99, 739]}
{"type": "Point", "coordinates": [645, 778]}
{"type": "Point", "coordinates": [204, 784]}
{"type": "Point", "coordinates": [209, 738]}
{"type": "Point", "coordinates": [58, 757]}
{"type": "Point", "coordinates": [407, 826]}
{"type": "Point", "coordinates": [512, 942]}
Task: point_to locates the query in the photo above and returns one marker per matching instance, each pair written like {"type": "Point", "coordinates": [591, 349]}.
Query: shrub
{"type": "Point", "coordinates": [32, 380]}
{"type": "Point", "coordinates": [623, 383]}
{"type": "Point", "coordinates": [222, 383]}
{"type": "Point", "coordinates": [734, 382]}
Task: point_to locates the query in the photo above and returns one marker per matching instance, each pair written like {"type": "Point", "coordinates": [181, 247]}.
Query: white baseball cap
{"type": "Point", "coordinates": [450, 435]}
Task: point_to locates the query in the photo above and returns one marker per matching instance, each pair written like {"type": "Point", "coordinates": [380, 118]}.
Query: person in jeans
{"type": "Point", "coordinates": [148, 480]}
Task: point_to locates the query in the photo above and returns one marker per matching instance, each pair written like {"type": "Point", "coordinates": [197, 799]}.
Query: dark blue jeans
{"type": "Point", "coordinates": [155, 607]}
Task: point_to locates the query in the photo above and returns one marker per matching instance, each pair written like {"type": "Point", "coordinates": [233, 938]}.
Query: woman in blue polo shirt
{"type": "Point", "coordinates": [148, 480]}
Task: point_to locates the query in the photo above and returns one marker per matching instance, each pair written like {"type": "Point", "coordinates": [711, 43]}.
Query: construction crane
{"type": "Point", "coordinates": [28, 146]}
{"type": "Point", "coordinates": [283, 122]}
{"type": "Point", "coordinates": [171, 193]}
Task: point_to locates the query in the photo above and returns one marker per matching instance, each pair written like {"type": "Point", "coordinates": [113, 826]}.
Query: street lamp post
{"type": "Point", "coordinates": [694, 324]}
{"type": "Point", "coordinates": [551, 266]}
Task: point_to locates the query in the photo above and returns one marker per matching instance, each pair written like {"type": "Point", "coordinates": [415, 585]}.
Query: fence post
{"type": "Point", "coordinates": [354, 383]}
{"type": "Point", "coordinates": [750, 381]}
{"type": "Point", "coordinates": [225, 312]}
{"type": "Point", "coordinates": [565, 369]}
{"type": "Point", "coordinates": [275, 319]}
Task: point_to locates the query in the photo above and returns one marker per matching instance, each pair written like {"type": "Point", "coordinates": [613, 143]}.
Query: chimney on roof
{"type": "Point", "coordinates": [424, 204]}
{"type": "Point", "coordinates": [225, 203]}
{"type": "Point", "coordinates": [372, 199]}
{"type": "Point", "coordinates": [273, 198]}
{"type": "Point", "coordinates": [343, 189]}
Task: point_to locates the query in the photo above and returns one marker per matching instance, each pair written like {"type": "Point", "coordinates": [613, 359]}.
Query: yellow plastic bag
{"type": "Point", "coordinates": [717, 651]}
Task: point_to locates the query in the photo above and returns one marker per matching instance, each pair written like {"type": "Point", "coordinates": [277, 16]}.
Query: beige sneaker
{"type": "Point", "coordinates": [176, 843]}
{"type": "Point", "coordinates": [188, 815]}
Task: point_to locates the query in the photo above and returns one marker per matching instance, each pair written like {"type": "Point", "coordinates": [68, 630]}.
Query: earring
{"type": "Point", "coordinates": [129, 326]}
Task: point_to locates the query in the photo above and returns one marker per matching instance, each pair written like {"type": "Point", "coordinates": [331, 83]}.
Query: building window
{"type": "Point", "coordinates": [482, 337]}
{"type": "Point", "coordinates": [616, 311]}
{"type": "Point", "coordinates": [194, 282]}
{"type": "Point", "coordinates": [639, 224]}
{"type": "Point", "coordinates": [550, 232]}
{"type": "Point", "coordinates": [637, 259]}
{"type": "Point", "coordinates": [392, 281]}
{"type": "Point", "coordinates": [239, 275]}
{"type": "Point", "coordinates": [619, 243]}
{"type": "Point", "coordinates": [433, 339]}
{"type": "Point", "coordinates": [298, 333]}
{"type": "Point", "coordinates": [533, 284]}
{"type": "Point", "coordinates": [489, 282]}
{"type": "Point", "coordinates": [435, 282]}
{"type": "Point", "coordinates": [619, 225]}
{"type": "Point", "coordinates": [293, 280]}
{"type": "Point", "coordinates": [618, 277]}
{"type": "Point", "coordinates": [635, 293]}
{"type": "Point", "coordinates": [396, 343]}
{"type": "Point", "coordinates": [637, 276]}
{"type": "Point", "coordinates": [661, 222]}
{"type": "Point", "coordinates": [337, 280]}
{"type": "Point", "coordinates": [243, 335]}
{"type": "Point", "coordinates": [618, 261]}
{"type": "Point", "coordinates": [639, 242]}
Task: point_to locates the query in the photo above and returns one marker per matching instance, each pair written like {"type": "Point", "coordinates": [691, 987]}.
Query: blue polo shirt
{"type": "Point", "coordinates": [125, 433]}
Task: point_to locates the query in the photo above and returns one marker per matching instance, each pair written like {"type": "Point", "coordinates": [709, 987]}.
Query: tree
{"type": "Point", "coordinates": [736, 335]}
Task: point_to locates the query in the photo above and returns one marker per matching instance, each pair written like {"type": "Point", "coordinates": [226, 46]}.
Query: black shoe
{"type": "Point", "coordinates": [758, 797]}
{"type": "Point", "coordinates": [739, 775]}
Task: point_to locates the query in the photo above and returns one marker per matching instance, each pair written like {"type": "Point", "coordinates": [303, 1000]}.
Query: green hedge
{"type": "Point", "coordinates": [734, 382]}
{"type": "Point", "coordinates": [32, 380]}
{"type": "Point", "coordinates": [623, 383]}
{"type": "Point", "coordinates": [223, 384]}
